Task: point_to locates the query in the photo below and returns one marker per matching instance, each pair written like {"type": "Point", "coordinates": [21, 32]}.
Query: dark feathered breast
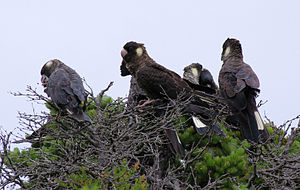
{"type": "Point", "coordinates": [124, 70]}
{"type": "Point", "coordinates": [239, 86]}
{"type": "Point", "coordinates": [136, 94]}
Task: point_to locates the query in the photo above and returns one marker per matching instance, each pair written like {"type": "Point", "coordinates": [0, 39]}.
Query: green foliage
{"type": "Point", "coordinates": [122, 177]}
{"type": "Point", "coordinates": [52, 111]}
{"type": "Point", "coordinates": [242, 187]}
{"type": "Point", "coordinates": [223, 155]}
{"type": "Point", "coordinates": [93, 187]}
{"type": "Point", "coordinates": [214, 157]}
{"type": "Point", "coordinates": [78, 180]}
{"type": "Point", "coordinates": [106, 100]}
{"type": "Point", "coordinates": [226, 155]}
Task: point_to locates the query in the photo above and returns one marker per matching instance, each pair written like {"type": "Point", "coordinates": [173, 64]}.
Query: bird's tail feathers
{"type": "Point", "coordinates": [218, 130]}
{"type": "Point", "coordinates": [198, 123]}
{"type": "Point", "coordinates": [175, 141]}
{"type": "Point", "coordinates": [248, 125]}
{"type": "Point", "coordinates": [81, 116]}
{"type": "Point", "coordinates": [259, 121]}
{"type": "Point", "coordinates": [263, 132]}
{"type": "Point", "coordinates": [202, 128]}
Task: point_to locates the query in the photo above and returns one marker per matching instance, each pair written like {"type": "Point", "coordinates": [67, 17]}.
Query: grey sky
{"type": "Point", "coordinates": [88, 36]}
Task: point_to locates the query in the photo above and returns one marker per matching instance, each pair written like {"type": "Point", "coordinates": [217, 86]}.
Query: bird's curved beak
{"type": "Point", "coordinates": [44, 80]}
{"type": "Point", "coordinates": [123, 53]}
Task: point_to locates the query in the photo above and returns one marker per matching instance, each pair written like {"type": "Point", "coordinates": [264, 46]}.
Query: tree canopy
{"type": "Point", "coordinates": [126, 148]}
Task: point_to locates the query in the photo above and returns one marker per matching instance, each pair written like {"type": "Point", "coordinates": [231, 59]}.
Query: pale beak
{"type": "Point", "coordinates": [123, 53]}
{"type": "Point", "coordinates": [44, 80]}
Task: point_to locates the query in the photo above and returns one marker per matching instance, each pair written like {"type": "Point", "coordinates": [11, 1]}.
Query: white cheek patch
{"type": "Point", "coordinates": [195, 71]}
{"type": "Point", "coordinates": [49, 64]}
{"type": "Point", "coordinates": [227, 51]}
{"type": "Point", "coordinates": [139, 51]}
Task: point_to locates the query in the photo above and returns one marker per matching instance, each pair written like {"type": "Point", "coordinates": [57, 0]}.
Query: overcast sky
{"type": "Point", "coordinates": [89, 35]}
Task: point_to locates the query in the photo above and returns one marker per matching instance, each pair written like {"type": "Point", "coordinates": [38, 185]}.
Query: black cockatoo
{"type": "Point", "coordinates": [199, 78]}
{"type": "Point", "coordinates": [137, 95]}
{"type": "Point", "coordinates": [65, 88]}
{"type": "Point", "coordinates": [156, 81]}
{"type": "Point", "coordinates": [239, 87]}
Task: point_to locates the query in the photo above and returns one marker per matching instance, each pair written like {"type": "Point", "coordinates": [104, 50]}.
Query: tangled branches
{"type": "Point", "coordinates": [127, 147]}
{"type": "Point", "coordinates": [277, 163]}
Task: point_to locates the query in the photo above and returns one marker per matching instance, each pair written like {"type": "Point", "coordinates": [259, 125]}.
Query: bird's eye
{"type": "Point", "coordinates": [131, 49]}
